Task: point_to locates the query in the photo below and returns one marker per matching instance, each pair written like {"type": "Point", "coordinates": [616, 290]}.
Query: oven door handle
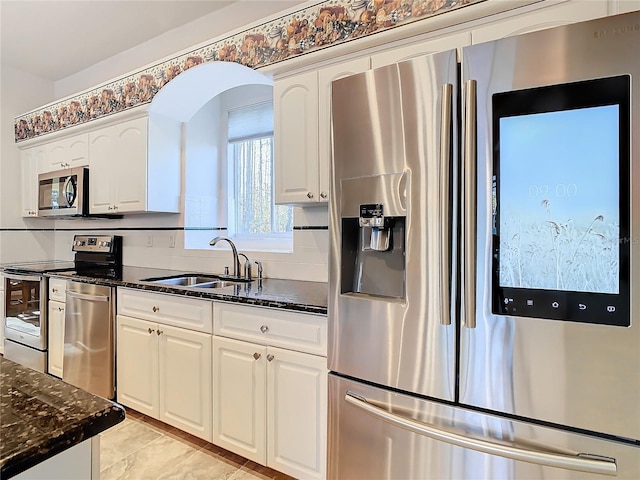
{"type": "Point", "coordinates": [21, 277]}
{"type": "Point", "coordinates": [84, 296]}
{"type": "Point", "coordinates": [581, 462]}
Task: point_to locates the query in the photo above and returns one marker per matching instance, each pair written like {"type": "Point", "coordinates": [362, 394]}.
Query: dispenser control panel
{"type": "Point", "coordinates": [372, 215]}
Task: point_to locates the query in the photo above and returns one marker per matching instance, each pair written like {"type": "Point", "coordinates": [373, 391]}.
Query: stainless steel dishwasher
{"type": "Point", "coordinates": [89, 338]}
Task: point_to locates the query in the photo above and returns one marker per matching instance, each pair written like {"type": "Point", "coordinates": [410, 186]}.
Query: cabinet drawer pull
{"type": "Point", "coordinates": [150, 330]}
{"type": "Point", "coordinates": [155, 309]}
{"type": "Point", "coordinates": [270, 357]}
{"type": "Point", "coordinates": [256, 355]}
{"type": "Point", "coordinates": [264, 329]}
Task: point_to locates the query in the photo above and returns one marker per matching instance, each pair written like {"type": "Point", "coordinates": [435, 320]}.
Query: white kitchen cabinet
{"type": "Point", "coordinates": [29, 162]}
{"type": "Point", "coordinates": [296, 413]}
{"type": "Point", "coordinates": [69, 152]}
{"type": "Point", "coordinates": [295, 131]}
{"type": "Point", "coordinates": [239, 398]}
{"type": "Point", "coordinates": [55, 341]}
{"type": "Point", "coordinates": [55, 325]}
{"type": "Point", "coordinates": [270, 387]}
{"type": "Point", "coordinates": [135, 167]}
{"type": "Point", "coordinates": [164, 370]}
{"type": "Point", "coordinates": [137, 368]}
{"type": "Point", "coordinates": [302, 132]}
{"type": "Point", "coordinates": [270, 406]}
{"type": "Point", "coordinates": [165, 373]}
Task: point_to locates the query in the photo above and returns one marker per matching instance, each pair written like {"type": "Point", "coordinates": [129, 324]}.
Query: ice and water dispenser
{"type": "Point", "coordinates": [373, 211]}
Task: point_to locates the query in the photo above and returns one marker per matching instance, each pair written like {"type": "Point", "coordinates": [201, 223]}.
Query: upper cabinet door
{"type": "Point", "coordinates": [325, 77]}
{"type": "Point", "coordinates": [29, 169]}
{"type": "Point", "coordinates": [131, 149]}
{"type": "Point", "coordinates": [296, 138]}
{"type": "Point", "coordinates": [66, 153]}
{"type": "Point", "coordinates": [102, 170]}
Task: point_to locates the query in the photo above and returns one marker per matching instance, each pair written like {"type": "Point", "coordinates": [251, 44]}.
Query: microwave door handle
{"type": "Point", "coordinates": [445, 205]}
{"type": "Point", "coordinates": [469, 206]}
{"type": "Point", "coordinates": [580, 462]}
{"type": "Point", "coordinates": [69, 181]}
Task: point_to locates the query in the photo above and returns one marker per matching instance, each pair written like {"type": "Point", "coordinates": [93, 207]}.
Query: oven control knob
{"type": "Point", "coordinates": [105, 244]}
{"type": "Point", "coordinates": [78, 243]}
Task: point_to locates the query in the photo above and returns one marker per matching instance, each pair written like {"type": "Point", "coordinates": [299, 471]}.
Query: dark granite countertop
{"type": "Point", "coordinates": [41, 416]}
{"type": "Point", "coordinates": [310, 297]}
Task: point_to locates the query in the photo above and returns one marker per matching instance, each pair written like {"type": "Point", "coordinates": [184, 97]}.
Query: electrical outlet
{"type": "Point", "coordinates": [149, 240]}
{"type": "Point", "coordinates": [172, 241]}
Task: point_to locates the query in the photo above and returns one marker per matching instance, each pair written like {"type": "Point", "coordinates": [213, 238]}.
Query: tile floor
{"type": "Point", "coordinates": [141, 448]}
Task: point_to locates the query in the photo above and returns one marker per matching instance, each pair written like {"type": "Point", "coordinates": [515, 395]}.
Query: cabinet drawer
{"type": "Point", "coordinates": [57, 289]}
{"type": "Point", "coordinates": [166, 309]}
{"type": "Point", "coordinates": [266, 326]}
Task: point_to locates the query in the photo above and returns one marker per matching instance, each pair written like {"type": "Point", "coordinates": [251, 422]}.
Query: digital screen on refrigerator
{"type": "Point", "coordinates": [561, 203]}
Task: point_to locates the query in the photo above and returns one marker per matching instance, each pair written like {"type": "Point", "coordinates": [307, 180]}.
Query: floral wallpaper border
{"type": "Point", "coordinates": [327, 23]}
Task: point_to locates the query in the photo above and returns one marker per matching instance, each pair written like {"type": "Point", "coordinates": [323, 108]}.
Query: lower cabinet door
{"type": "Point", "coordinates": [185, 380]}
{"type": "Point", "coordinates": [296, 413]}
{"type": "Point", "coordinates": [239, 402]}
{"type": "Point", "coordinates": [137, 365]}
{"type": "Point", "coordinates": [55, 341]}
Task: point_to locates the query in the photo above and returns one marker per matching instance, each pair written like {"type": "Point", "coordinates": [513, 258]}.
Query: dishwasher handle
{"type": "Point", "coordinates": [91, 298]}
{"type": "Point", "coordinates": [581, 462]}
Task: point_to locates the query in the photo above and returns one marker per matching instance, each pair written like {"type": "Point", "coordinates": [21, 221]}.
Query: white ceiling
{"type": "Point", "coordinates": [54, 39]}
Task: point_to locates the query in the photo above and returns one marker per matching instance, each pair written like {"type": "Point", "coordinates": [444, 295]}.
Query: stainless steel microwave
{"type": "Point", "coordinates": [64, 193]}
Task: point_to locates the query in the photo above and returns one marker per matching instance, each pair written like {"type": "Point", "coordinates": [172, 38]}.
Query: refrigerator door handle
{"type": "Point", "coordinates": [469, 214]}
{"type": "Point", "coordinates": [445, 209]}
{"type": "Point", "coordinates": [92, 298]}
{"type": "Point", "coordinates": [580, 462]}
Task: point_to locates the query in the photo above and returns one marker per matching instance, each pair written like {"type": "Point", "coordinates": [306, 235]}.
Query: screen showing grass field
{"type": "Point", "coordinates": [559, 200]}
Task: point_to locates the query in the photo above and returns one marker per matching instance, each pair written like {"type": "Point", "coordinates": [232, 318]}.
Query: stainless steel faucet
{"type": "Point", "coordinates": [234, 250]}
{"type": "Point", "coordinates": [247, 266]}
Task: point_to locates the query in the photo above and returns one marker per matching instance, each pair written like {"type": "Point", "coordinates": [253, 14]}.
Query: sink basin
{"type": "Point", "coordinates": [195, 280]}
{"type": "Point", "coordinates": [188, 281]}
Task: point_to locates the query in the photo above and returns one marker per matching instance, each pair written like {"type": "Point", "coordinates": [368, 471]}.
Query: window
{"type": "Point", "coordinates": [252, 212]}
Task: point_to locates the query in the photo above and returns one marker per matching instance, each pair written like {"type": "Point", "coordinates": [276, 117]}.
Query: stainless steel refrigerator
{"type": "Point", "coordinates": [484, 275]}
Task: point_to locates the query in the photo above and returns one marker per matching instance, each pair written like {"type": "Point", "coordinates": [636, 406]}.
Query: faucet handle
{"type": "Point", "coordinates": [259, 269]}
{"type": "Point", "coordinates": [247, 266]}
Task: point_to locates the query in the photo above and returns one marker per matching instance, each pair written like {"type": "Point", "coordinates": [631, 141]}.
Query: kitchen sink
{"type": "Point", "coordinates": [195, 281]}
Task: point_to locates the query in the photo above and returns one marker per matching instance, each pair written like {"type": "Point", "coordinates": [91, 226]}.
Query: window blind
{"type": "Point", "coordinates": [250, 122]}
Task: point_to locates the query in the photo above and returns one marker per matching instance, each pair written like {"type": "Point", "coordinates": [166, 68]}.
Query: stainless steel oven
{"type": "Point", "coordinates": [25, 322]}
{"type": "Point", "coordinates": [63, 193]}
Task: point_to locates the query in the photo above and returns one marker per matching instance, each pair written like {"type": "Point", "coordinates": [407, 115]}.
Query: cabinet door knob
{"type": "Point", "coordinates": [54, 290]}
{"type": "Point", "coordinates": [309, 195]}
{"type": "Point", "coordinates": [155, 309]}
{"type": "Point", "coordinates": [159, 332]}
{"type": "Point", "coordinates": [264, 329]}
{"type": "Point", "coordinates": [323, 194]}
{"type": "Point", "coordinates": [60, 309]}
{"type": "Point", "coordinates": [270, 357]}
{"type": "Point", "coordinates": [256, 355]}
{"type": "Point", "coordinates": [150, 330]}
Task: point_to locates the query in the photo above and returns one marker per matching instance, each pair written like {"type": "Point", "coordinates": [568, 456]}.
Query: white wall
{"type": "Point", "coordinates": [19, 92]}
{"type": "Point", "coordinates": [217, 24]}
